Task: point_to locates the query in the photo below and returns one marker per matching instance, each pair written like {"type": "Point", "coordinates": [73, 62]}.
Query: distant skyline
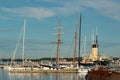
{"type": "Point", "coordinates": [42, 18]}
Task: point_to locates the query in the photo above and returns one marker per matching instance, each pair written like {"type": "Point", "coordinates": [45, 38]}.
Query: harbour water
{"type": "Point", "coordinates": [5, 75]}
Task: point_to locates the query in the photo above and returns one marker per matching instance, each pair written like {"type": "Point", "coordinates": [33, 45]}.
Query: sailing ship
{"type": "Point", "coordinates": [26, 65]}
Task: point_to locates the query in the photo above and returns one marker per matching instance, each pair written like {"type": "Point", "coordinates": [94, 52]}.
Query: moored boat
{"type": "Point", "coordinates": [27, 67]}
{"type": "Point", "coordinates": [103, 74]}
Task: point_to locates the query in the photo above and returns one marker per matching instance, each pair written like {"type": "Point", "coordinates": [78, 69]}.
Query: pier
{"type": "Point", "coordinates": [45, 71]}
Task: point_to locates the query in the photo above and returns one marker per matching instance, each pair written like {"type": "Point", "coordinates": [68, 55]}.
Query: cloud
{"type": "Point", "coordinates": [31, 12]}
{"type": "Point", "coordinates": [65, 10]}
{"type": "Point", "coordinates": [52, 1]}
{"type": "Point", "coordinates": [107, 8]}
{"type": "Point", "coordinates": [38, 12]}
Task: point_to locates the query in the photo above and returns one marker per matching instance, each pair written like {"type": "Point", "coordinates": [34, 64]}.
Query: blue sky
{"type": "Point", "coordinates": [42, 19]}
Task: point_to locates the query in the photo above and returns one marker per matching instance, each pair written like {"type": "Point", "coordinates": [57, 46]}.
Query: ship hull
{"type": "Point", "coordinates": [102, 75]}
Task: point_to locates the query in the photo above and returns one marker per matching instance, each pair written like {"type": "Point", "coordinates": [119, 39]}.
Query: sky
{"type": "Point", "coordinates": [42, 20]}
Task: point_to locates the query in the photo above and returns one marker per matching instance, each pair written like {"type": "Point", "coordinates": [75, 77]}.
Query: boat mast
{"type": "Point", "coordinates": [85, 45]}
{"type": "Point", "coordinates": [75, 41]}
{"type": "Point", "coordinates": [23, 50]}
{"type": "Point", "coordinates": [58, 44]}
{"type": "Point", "coordinates": [79, 40]}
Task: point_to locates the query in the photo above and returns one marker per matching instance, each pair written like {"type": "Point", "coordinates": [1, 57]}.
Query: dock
{"type": "Point", "coordinates": [44, 71]}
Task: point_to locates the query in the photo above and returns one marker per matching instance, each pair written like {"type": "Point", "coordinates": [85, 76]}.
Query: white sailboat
{"type": "Point", "coordinates": [26, 65]}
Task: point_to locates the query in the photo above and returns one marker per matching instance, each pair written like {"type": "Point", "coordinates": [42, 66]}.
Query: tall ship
{"type": "Point", "coordinates": [29, 66]}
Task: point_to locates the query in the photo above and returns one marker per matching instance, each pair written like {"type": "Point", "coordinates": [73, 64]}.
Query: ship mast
{"type": "Point", "coordinates": [79, 40]}
{"type": "Point", "coordinates": [58, 44]}
{"type": "Point", "coordinates": [85, 45]}
{"type": "Point", "coordinates": [23, 50]}
{"type": "Point", "coordinates": [75, 42]}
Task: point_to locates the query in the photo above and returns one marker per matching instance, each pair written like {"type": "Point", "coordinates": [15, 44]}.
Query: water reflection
{"type": "Point", "coordinates": [81, 76]}
{"type": "Point", "coordinates": [45, 76]}
{"type": "Point", "coordinates": [28, 76]}
{"type": "Point", "coordinates": [4, 75]}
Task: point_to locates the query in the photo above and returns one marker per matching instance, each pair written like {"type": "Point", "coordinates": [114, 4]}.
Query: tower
{"type": "Point", "coordinates": [95, 51]}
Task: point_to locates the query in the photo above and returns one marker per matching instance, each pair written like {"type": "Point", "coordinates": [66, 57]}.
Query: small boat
{"type": "Point", "coordinates": [83, 69]}
{"type": "Point", "coordinates": [103, 73]}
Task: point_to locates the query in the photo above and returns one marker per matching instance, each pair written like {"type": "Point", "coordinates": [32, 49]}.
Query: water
{"type": "Point", "coordinates": [5, 75]}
